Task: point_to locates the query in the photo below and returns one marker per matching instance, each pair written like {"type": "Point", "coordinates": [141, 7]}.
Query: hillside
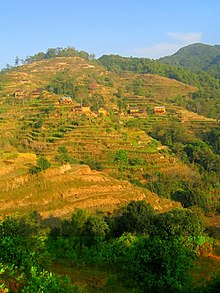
{"type": "Point", "coordinates": [36, 119]}
{"type": "Point", "coordinates": [204, 101]}
{"type": "Point", "coordinates": [60, 190]}
{"type": "Point", "coordinates": [94, 156]}
{"type": "Point", "coordinates": [42, 125]}
{"type": "Point", "coordinates": [107, 124]}
{"type": "Point", "coordinates": [197, 57]}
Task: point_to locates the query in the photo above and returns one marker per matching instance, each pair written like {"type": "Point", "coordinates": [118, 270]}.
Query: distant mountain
{"type": "Point", "coordinates": [197, 57]}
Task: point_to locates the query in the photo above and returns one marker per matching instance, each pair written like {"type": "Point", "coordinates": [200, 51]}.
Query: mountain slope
{"type": "Point", "coordinates": [196, 57]}
{"type": "Point", "coordinates": [116, 141]}
{"type": "Point", "coordinates": [43, 123]}
{"type": "Point", "coordinates": [59, 191]}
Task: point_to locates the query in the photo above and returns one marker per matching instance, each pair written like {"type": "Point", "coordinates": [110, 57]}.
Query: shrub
{"type": "Point", "coordinates": [43, 163]}
{"type": "Point", "coordinates": [121, 156]}
{"type": "Point", "coordinates": [177, 223]}
{"type": "Point", "coordinates": [135, 217]}
{"type": "Point", "coordinates": [192, 197]}
{"type": "Point", "coordinates": [158, 265]}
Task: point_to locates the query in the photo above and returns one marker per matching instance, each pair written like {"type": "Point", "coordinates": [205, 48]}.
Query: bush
{"type": "Point", "coordinates": [136, 161]}
{"type": "Point", "coordinates": [42, 164]}
{"type": "Point", "coordinates": [135, 217]}
{"type": "Point", "coordinates": [178, 223]}
{"type": "Point", "coordinates": [121, 156]}
{"type": "Point", "coordinates": [192, 197]}
{"type": "Point", "coordinates": [158, 265]}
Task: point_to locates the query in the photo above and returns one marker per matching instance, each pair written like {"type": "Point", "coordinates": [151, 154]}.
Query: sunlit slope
{"type": "Point", "coordinates": [59, 191]}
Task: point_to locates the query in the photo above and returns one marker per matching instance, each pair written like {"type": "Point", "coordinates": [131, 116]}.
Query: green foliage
{"type": "Point", "coordinates": [196, 57]}
{"type": "Point", "coordinates": [213, 138]}
{"type": "Point", "coordinates": [21, 242]}
{"type": "Point", "coordinates": [158, 265]}
{"type": "Point", "coordinates": [121, 157]}
{"type": "Point", "coordinates": [23, 256]}
{"type": "Point", "coordinates": [191, 197]}
{"type": "Point", "coordinates": [44, 281]}
{"type": "Point", "coordinates": [176, 223]}
{"type": "Point", "coordinates": [59, 52]}
{"type": "Point", "coordinates": [199, 152]}
{"type": "Point", "coordinates": [96, 230]}
{"type": "Point", "coordinates": [135, 217]}
{"type": "Point", "coordinates": [212, 286]}
{"type": "Point", "coordinates": [97, 101]}
{"type": "Point", "coordinates": [204, 102]}
{"type": "Point", "coordinates": [62, 84]}
{"type": "Point", "coordinates": [159, 262]}
{"type": "Point", "coordinates": [63, 155]}
{"type": "Point", "coordinates": [42, 164]}
{"type": "Point", "coordinates": [94, 164]}
{"type": "Point", "coordinates": [136, 161]}
{"type": "Point", "coordinates": [170, 133]}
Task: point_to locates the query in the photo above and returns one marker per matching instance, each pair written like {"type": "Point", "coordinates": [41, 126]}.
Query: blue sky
{"type": "Point", "coordinates": [143, 28]}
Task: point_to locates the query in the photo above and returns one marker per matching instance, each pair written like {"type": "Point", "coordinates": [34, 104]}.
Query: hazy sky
{"type": "Point", "coordinates": [145, 28]}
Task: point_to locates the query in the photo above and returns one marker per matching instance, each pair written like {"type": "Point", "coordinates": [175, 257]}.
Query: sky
{"type": "Point", "coordinates": [138, 28]}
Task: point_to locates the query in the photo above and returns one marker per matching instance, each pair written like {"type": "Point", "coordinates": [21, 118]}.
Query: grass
{"type": "Point", "coordinates": [101, 278]}
{"type": "Point", "coordinates": [204, 270]}
{"type": "Point", "coordinates": [93, 278]}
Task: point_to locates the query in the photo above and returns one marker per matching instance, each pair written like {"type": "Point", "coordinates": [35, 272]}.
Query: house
{"type": "Point", "coordinates": [159, 110]}
{"type": "Point", "coordinates": [133, 110]}
{"type": "Point", "coordinates": [81, 109]}
{"type": "Point", "coordinates": [102, 111]}
{"type": "Point", "coordinates": [77, 109]}
{"type": "Point", "coordinates": [65, 100]}
{"type": "Point", "coordinates": [19, 94]}
{"type": "Point", "coordinates": [36, 93]}
{"type": "Point", "coordinates": [86, 109]}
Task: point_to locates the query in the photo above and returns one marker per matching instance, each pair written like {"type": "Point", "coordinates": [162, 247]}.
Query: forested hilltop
{"type": "Point", "coordinates": [109, 177]}
{"type": "Point", "coordinates": [197, 57]}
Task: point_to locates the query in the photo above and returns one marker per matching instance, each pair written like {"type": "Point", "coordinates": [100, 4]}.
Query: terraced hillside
{"type": "Point", "coordinates": [43, 126]}
{"type": "Point", "coordinates": [60, 190]}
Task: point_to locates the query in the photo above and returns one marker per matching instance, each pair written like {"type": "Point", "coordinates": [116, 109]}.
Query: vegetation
{"type": "Point", "coordinates": [205, 101]}
{"type": "Point", "coordinates": [57, 52]}
{"type": "Point", "coordinates": [170, 161]}
{"type": "Point", "coordinates": [196, 57]}
{"type": "Point", "coordinates": [156, 256]}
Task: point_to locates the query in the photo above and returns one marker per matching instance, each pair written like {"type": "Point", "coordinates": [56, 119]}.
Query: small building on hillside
{"type": "Point", "coordinates": [19, 94]}
{"type": "Point", "coordinates": [36, 93]}
{"type": "Point", "coordinates": [77, 109]}
{"type": "Point", "coordinates": [159, 110]}
{"type": "Point", "coordinates": [86, 109]}
{"type": "Point", "coordinates": [81, 109]}
{"type": "Point", "coordinates": [133, 110]}
{"type": "Point", "coordinates": [65, 100]}
{"type": "Point", "coordinates": [102, 111]}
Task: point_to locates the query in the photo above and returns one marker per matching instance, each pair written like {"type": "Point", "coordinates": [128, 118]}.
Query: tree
{"type": "Point", "coordinates": [191, 197]}
{"type": "Point", "coordinates": [96, 230]}
{"type": "Point", "coordinates": [121, 156]}
{"type": "Point", "coordinates": [17, 60]}
{"type": "Point", "coordinates": [158, 265]}
{"type": "Point", "coordinates": [177, 223]}
{"type": "Point", "coordinates": [135, 217]}
{"type": "Point", "coordinates": [63, 156]}
{"type": "Point", "coordinates": [21, 242]}
{"type": "Point", "coordinates": [62, 83]}
{"type": "Point", "coordinates": [42, 164]}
